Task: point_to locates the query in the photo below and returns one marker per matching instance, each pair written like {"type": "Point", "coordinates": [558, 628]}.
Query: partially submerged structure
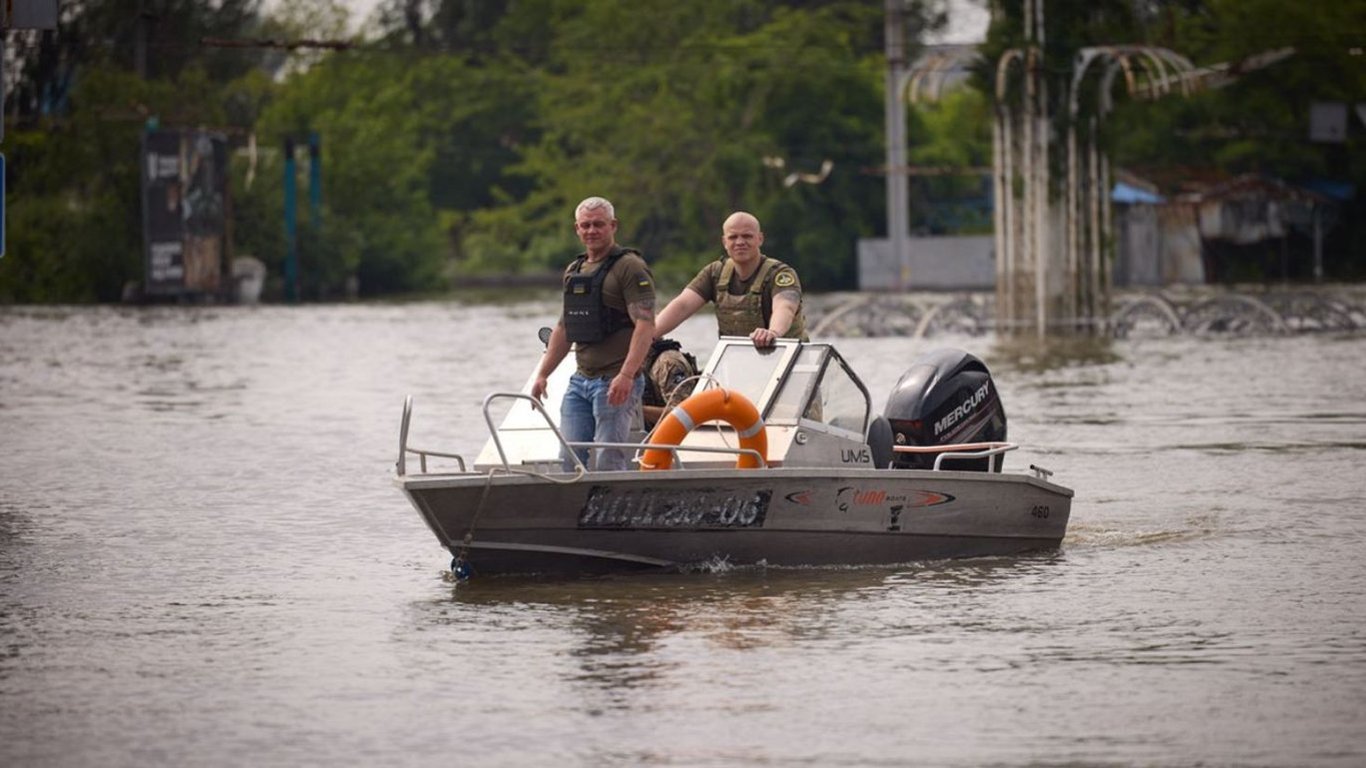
{"type": "Point", "coordinates": [1226, 229]}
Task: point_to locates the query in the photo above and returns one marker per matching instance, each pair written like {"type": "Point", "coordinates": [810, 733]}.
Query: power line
{"type": "Point", "coordinates": [289, 45]}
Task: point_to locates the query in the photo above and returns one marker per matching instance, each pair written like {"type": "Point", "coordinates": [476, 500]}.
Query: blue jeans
{"type": "Point", "coordinates": [585, 415]}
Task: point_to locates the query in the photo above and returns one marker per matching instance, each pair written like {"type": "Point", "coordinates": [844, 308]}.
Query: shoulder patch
{"type": "Point", "coordinates": [785, 279]}
{"type": "Point", "coordinates": [643, 280]}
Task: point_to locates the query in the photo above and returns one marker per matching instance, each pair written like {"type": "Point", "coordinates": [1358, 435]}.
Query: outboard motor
{"type": "Point", "coordinates": [946, 396]}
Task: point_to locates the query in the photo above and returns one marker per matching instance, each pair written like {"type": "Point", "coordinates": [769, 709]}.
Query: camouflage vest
{"type": "Point", "coordinates": [740, 315]}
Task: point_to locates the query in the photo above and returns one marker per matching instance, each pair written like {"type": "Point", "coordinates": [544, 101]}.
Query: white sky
{"type": "Point", "coordinates": [967, 23]}
{"type": "Point", "coordinates": [360, 10]}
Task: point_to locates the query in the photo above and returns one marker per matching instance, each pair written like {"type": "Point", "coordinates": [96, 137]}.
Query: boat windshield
{"type": "Point", "coordinates": [791, 381]}
{"type": "Point", "coordinates": [820, 387]}
{"type": "Point", "coordinates": [794, 397]}
{"type": "Point", "coordinates": [753, 371]}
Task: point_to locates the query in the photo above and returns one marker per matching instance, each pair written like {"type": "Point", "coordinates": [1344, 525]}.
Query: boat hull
{"type": "Point", "coordinates": [621, 521]}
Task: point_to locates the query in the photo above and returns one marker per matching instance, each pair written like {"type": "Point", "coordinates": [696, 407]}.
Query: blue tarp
{"type": "Point", "coordinates": [1127, 194]}
{"type": "Point", "coordinates": [1341, 191]}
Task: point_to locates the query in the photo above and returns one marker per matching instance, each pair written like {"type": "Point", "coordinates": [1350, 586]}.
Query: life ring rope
{"type": "Point", "coordinates": [710, 405]}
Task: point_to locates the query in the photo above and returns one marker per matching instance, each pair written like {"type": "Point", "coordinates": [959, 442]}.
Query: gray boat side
{"type": "Point", "coordinates": [823, 494]}
{"type": "Point", "coordinates": [778, 517]}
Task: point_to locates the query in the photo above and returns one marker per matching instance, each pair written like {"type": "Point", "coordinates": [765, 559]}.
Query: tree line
{"type": "Point", "coordinates": [457, 135]}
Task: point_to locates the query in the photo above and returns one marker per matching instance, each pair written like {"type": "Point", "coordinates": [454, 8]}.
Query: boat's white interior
{"type": "Point", "coordinates": [815, 409]}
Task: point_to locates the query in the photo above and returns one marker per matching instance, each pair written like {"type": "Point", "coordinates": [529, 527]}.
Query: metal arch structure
{"type": "Point", "coordinates": [1138, 315]}
{"type": "Point", "coordinates": [1143, 312]}
{"type": "Point", "coordinates": [1052, 272]}
{"type": "Point", "coordinates": [1233, 314]}
{"type": "Point", "coordinates": [1236, 313]}
{"type": "Point", "coordinates": [963, 315]}
{"type": "Point", "coordinates": [1149, 72]}
{"type": "Point", "coordinates": [871, 315]}
{"type": "Point", "coordinates": [938, 69]}
{"type": "Point", "coordinates": [1052, 268]}
{"type": "Point", "coordinates": [1027, 295]}
{"type": "Point", "coordinates": [1005, 218]}
{"type": "Point", "coordinates": [903, 315]}
{"type": "Point", "coordinates": [1012, 226]}
{"type": "Point", "coordinates": [1308, 311]}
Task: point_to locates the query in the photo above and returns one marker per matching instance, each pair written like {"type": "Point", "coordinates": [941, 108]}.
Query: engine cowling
{"type": "Point", "coordinates": [947, 396]}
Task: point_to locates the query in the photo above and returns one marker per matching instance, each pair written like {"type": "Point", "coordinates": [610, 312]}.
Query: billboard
{"type": "Point", "coordinates": [184, 202]}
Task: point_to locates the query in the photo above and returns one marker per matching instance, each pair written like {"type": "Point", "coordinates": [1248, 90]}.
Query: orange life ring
{"type": "Point", "coordinates": [711, 405]}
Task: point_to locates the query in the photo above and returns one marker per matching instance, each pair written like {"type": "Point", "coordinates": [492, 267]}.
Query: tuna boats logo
{"type": "Point", "coordinates": [850, 496]}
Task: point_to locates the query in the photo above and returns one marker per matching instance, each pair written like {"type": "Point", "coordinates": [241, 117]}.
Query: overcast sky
{"type": "Point", "coordinates": [967, 23]}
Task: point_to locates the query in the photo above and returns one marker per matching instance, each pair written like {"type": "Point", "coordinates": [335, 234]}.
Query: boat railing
{"type": "Point", "coordinates": [951, 452]}
{"type": "Point", "coordinates": [672, 449]}
{"type": "Point", "coordinates": [536, 406]}
{"type": "Point", "coordinates": [420, 453]}
{"type": "Point", "coordinates": [570, 446]}
{"type": "Point", "coordinates": [961, 452]}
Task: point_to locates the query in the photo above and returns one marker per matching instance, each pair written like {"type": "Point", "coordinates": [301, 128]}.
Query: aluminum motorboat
{"type": "Point", "coordinates": [775, 459]}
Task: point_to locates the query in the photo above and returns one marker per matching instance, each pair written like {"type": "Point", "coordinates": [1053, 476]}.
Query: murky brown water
{"type": "Point", "coordinates": [203, 562]}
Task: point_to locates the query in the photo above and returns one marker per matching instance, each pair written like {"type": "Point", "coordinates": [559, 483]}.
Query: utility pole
{"type": "Point", "coordinates": [898, 198]}
{"type": "Point", "coordinates": [291, 225]}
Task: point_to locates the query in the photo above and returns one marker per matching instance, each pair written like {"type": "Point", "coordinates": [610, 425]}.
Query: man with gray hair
{"type": "Point", "coordinates": [609, 318]}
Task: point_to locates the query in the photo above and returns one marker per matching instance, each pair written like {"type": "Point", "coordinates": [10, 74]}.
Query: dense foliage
{"type": "Point", "coordinates": [458, 134]}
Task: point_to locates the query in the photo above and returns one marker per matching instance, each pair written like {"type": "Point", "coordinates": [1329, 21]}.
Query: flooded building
{"type": "Point", "coordinates": [1244, 228]}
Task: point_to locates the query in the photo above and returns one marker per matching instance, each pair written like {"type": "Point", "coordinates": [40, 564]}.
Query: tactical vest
{"type": "Point", "coordinates": [740, 315]}
{"type": "Point", "coordinates": [587, 320]}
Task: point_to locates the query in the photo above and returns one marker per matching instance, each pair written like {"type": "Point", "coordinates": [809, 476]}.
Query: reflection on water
{"type": "Point", "coordinates": [1034, 355]}
{"type": "Point", "coordinates": [203, 562]}
{"type": "Point", "coordinates": [638, 637]}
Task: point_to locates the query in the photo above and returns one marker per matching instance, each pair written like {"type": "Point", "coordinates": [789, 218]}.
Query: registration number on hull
{"type": "Point", "coordinates": [692, 508]}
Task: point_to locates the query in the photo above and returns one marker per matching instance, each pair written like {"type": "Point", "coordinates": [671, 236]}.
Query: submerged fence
{"type": "Point", "coordinates": [1235, 311]}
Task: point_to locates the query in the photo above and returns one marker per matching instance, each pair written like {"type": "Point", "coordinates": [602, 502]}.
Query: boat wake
{"type": "Point", "coordinates": [1082, 536]}
{"type": "Point", "coordinates": [715, 564]}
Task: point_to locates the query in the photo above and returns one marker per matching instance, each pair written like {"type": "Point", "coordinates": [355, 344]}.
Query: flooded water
{"type": "Point", "coordinates": [203, 562]}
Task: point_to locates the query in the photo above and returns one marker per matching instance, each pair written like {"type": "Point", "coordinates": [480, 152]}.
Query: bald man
{"type": "Point", "coordinates": [755, 296]}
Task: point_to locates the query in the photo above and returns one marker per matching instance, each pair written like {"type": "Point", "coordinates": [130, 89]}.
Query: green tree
{"type": "Point", "coordinates": [75, 216]}
{"type": "Point", "coordinates": [673, 123]}
{"type": "Point", "coordinates": [163, 36]}
{"type": "Point", "coordinates": [952, 135]}
{"type": "Point", "coordinates": [411, 144]}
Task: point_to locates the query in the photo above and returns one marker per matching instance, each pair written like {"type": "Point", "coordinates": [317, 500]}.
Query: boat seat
{"type": "Point", "coordinates": [880, 442]}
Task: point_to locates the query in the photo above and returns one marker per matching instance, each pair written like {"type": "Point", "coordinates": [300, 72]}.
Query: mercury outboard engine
{"type": "Point", "coordinates": [946, 396]}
